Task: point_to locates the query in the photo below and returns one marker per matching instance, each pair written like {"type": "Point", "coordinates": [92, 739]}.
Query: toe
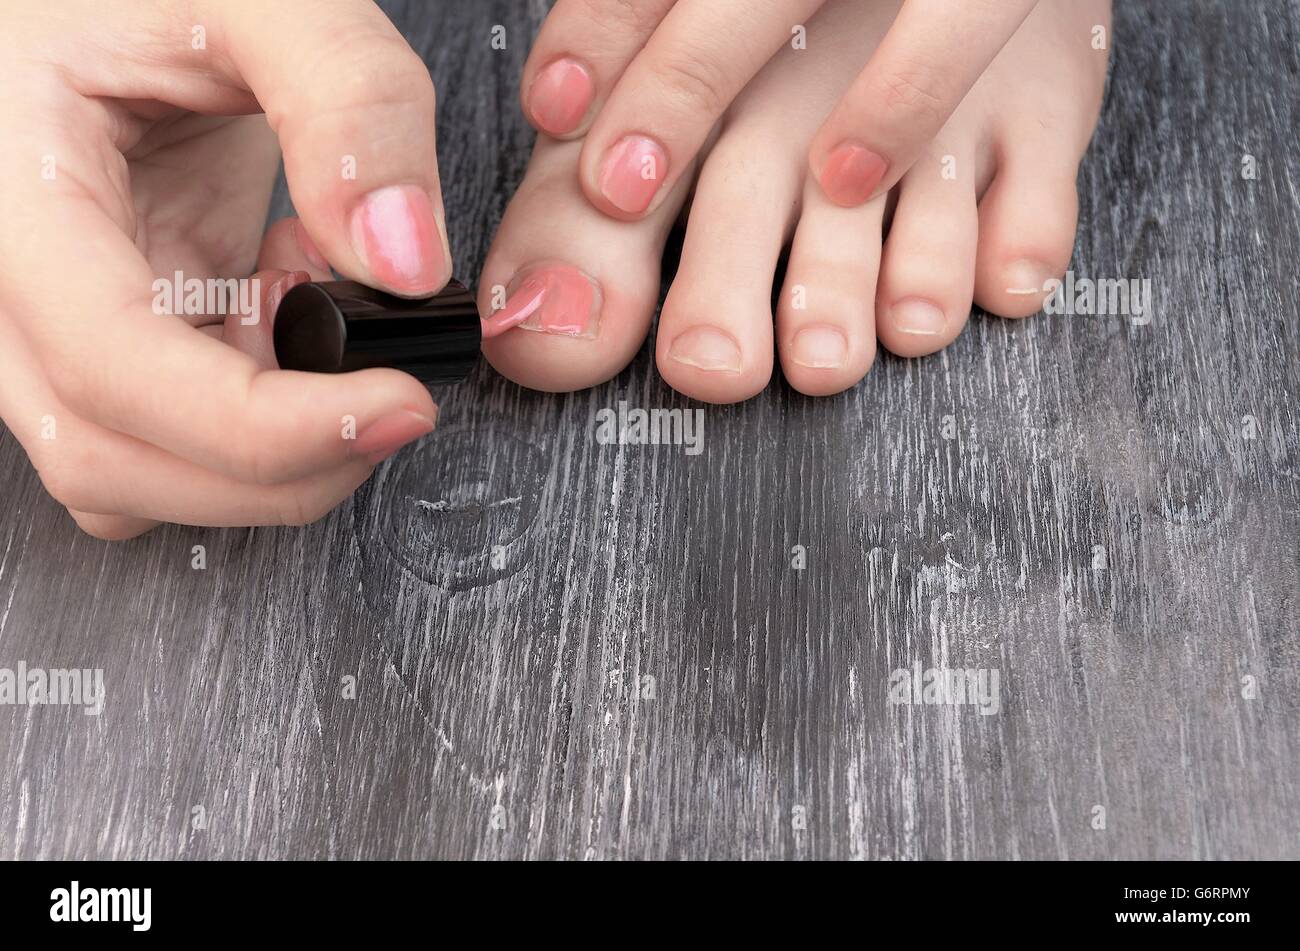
{"type": "Point", "coordinates": [1027, 222]}
{"type": "Point", "coordinates": [715, 334]}
{"type": "Point", "coordinates": [927, 274]}
{"type": "Point", "coordinates": [569, 292]}
{"type": "Point", "coordinates": [826, 316]}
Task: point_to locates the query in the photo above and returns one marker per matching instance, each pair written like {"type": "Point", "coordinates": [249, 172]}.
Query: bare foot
{"type": "Point", "coordinates": [988, 215]}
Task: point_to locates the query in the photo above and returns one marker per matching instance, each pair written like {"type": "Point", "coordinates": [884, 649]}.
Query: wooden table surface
{"type": "Point", "coordinates": [516, 641]}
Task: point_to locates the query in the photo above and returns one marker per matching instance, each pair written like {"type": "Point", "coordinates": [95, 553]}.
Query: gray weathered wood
{"type": "Point", "coordinates": [519, 686]}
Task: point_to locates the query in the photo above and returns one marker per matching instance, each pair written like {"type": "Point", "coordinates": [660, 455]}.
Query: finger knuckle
{"type": "Point", "coordinates": [620, 16]}
{"type": "Point", "coordinates": [695, 82]}
{"type": "Point", "coordinates": [386, 64]}
{"type": "Point", "coordinates": [376, 72]}
{"type": "Point", "coordinates": [913, 91]}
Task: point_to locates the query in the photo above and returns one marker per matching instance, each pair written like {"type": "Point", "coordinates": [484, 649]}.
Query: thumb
{"type": "Point", "coordinates": [353, 106]}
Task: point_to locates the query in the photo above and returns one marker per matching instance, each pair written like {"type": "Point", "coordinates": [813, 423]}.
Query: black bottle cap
{"type": "Point", "coordinates": [341, 326]}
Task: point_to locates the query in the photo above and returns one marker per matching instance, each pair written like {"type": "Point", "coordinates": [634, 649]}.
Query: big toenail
{"type": "Point", "coordinates": [634, 169]}
{"type": "Point", "coordinates": [1026, 278]}
{"type": "Point", "coordinates": [549, 298]}
{"type": "Point", "coordinates": [819, 347]}
{"type": "Point", "coordinates": [561, 96]}
{"type": "Point", "coordinates": [852, 174]}
{"type": "Point", "coordinates": [707, 349]}
{"type": "Point", "coordinates": [917, 316]}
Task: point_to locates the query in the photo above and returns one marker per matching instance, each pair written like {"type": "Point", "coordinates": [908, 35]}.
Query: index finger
{"type": "Point", "coordinates": [927, 63]}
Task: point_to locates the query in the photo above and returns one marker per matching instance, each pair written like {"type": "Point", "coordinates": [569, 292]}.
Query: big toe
{"type": "Point", "coordinates": [568, 292]}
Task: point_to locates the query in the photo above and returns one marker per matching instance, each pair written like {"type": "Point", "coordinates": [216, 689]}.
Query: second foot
{"type": "Point", "coordinates": [987, 215]}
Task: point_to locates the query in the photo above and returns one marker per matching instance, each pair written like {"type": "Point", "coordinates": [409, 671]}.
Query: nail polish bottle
{"type": "Point", "coordinates": [341, 326]}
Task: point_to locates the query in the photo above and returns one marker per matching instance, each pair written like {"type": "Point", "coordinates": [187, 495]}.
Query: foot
{"type": "Point", "coordinates": [988, 215]}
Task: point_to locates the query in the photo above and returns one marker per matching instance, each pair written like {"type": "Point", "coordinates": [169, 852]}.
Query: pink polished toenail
{"type": "Point", "coordinates": [560, 97]}
{"type": "Point", "coordinates": [706, 349]}
{"type": "Point", "coordinates": [633, 171]}
{"type": "Point", "coordinates": [852, 174]}
{"type": "Point", "coordinates": [822, 348]}
{"type": "Point", "coordinates": [917, 316]}
{"type": "Point", "coordinates": [553, 298]}
{"type": "Point", "coordinates": [395, 235]}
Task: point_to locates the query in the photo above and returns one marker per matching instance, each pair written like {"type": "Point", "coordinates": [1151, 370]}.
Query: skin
{"type": "Point", "coordinates": [131, 154]}
{"type": "Point", "coordinates": [669, 69]}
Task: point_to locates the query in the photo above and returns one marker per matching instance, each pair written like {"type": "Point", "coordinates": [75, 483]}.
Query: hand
{"type": "Point", "coordinates": [646, 82]}
{"type": "Point", "coordinates": [135, 149]}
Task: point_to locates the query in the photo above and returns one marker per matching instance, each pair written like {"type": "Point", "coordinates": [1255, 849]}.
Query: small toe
{"type": "Point", "coordinates": [927, 273]}
{"type": "Point", "coordinates": [826, 316]}
{"type": "Point", "coordinates": [714, 341]}
{"type": "Point", "coordinates": [1027, 223]}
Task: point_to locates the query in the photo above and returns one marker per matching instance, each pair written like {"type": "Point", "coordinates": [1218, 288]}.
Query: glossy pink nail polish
{"type": "Point", "coordinates": [395, 234]}
{"type": "Point", "coordinates": [554, 298]}
{"type": "Point", "coordinates": [852, 174]}
{"type": "Point", "coordinates": [634, 169]}
{"type": "Point", "coordinates": [561, 96]}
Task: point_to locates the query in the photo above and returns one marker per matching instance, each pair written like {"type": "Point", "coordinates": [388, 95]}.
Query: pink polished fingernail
{"type": "Point", "coordinates": [395, 234]}
{"type": "Point", "coordinates": [552, 298]}
{"type": "Point", "coordinates": [634, 169]}
{"type": "Point", "coordinates": [560, 97]}
{"type": "Point", "coordinates": [852, 174]}
{"type": "Point", "coordinates": [382, 438]}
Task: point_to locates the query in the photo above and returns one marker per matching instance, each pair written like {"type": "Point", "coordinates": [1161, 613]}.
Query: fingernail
{"type": "Point", "coordinates": [633, 171]}
{"type": "Point", "coordinates": [560, 97]}
{"type": "Point", "coordinates": [382, 438]}
{"type": "Point", "coordinates": [706, 349]}
{"type": "Point", "coordinates": [275, 294]}
{"type": "Point", "coordinates": [309, 249]}
{"type": "Point", "coordinates": [819, 347]}
{"type": "Point", "coordinates": [852, 174]}
{"type": "Point", "coordinates": [395, 234]}
{"type": "Point", "coordinates": [1027, 278]}
{"type": "Point", "coordinates": [917, 316]}
{"type": "Point", "coordinates": [555, 299]}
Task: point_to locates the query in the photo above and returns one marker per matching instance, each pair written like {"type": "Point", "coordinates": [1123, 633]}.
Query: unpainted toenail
{"type": "Point", "coordinates": [1026, 278]}
{"type": "Point", "coordinates": [706, 349]}
{"type": "Point", "coordinates": [821, 347]}
{"type": "Point", "coordinates": [916, 315]}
